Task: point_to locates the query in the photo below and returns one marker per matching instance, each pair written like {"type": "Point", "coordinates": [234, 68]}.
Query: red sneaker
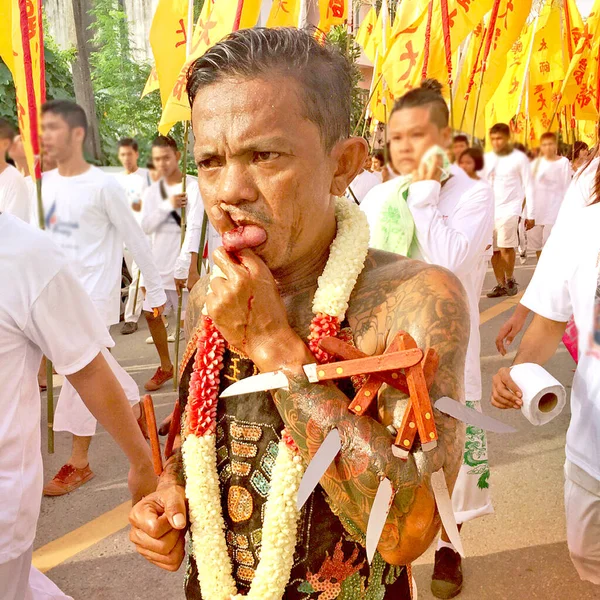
{"type": "Point", "coordinates": [69, 478]}
{"type": "Point", "coordinates": [158, 379]}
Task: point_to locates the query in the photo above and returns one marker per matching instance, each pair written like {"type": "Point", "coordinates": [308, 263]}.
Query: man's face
{"type": "Point", "coordinates": [548, 148]}
{"type": "Point", "coordinates": [458, 148]}
{"type": "Point", "coordinates": [411, 134]}
{"type": "Point", "coordinates": [376, 164]}
{"type": "Point", "coordinates": [5, 144]}
{"type": "Point", "coordinates": [166, 160]}
{"type": "Point", "coordinates": [128, 157]}
{"type": "Point", "coordinates": [16, 150]}
{"type": "Point", "coordinates": [262, 162]}
{"type": "Point", "coordinates": [499, 142]}
{"type": "Point", "coordinates": [59, 141]}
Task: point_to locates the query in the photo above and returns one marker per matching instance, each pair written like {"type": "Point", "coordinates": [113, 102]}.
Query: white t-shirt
{"type": "Point", "coordinates": [89, 217]}
{"type": "Point", "coordinates": [362, 184]}
{"type": "Point", "coordinates": [510, 178]}
{"type": "Point", "coordinates": [162, 227]}
{"type": "Point", "coordinates": [551, 179]}
{"type": "Point", "coordinates": [580, 191]}
{"type": "Point", "coordinates": [453, 224]}
{"type": "Point", "coordinates": [134, 184]}
{"type": "Point", "coordinates": [43, 310]}
{"type": "Point", "coordinates": [567, 282]}
{"type": "Point", "coordinates": [14, 195]}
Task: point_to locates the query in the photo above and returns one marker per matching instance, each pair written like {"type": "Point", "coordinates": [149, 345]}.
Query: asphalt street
{"type": "Point", "coordinates": [519, 552]}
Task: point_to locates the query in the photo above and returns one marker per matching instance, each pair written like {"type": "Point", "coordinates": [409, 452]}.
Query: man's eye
{"type": "Point", "coordinates": [210, 163]}
{"type": "Point", "coordinates": [265, 156]}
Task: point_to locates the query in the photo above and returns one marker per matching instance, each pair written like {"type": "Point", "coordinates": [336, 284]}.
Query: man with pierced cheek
{"type": "Point", "coordinates": [274, 157]}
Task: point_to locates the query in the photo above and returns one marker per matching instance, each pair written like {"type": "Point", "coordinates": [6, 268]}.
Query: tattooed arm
{"type": "Point", "coordinates": [430, 306]}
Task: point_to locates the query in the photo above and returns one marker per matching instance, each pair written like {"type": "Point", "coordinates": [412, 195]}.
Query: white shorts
{"type": "Point", "coordinates": [505, 232]}
{"type": "Point", "coordinates": [172, 303]}
{"type": "Point", "coordinates": [582, 506]}
{"type": "Point", "coordinates": [21, 581]}
{"type": "Point", "coordinates": [73, 415]}
{"type": "Point", "coordinates": [538, 236]}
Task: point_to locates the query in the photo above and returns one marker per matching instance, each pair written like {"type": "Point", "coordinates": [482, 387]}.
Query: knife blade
{"type": "Point", "coordinates": [471, 416]}
{"type": "Point", "coordinates": [444, 506]}
{"type": "Point", "coordinates": [257, 383]}
{"type": "Point", "coordinates": [319, 464]}
{"type": "Point", "coordinates": [378, 516]}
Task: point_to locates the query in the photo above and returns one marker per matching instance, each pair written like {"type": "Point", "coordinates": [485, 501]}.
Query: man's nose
{"type": "Point", "coordinates": [236, 184]}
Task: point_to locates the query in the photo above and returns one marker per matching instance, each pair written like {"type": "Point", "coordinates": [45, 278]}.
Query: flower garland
{"type": "Point", "coordinates": [346, 260]}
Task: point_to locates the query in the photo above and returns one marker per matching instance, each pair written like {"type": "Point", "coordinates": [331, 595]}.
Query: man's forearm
{"type": "Point", "coordinates": [105, 398]}
{"type": "Point", "coordinates": [173, 472]}
{"type": "Point", "coordinates": [540, 341]}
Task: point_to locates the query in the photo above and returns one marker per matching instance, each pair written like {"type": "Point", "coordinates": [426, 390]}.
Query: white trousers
{"type": "Point", "coordinates": [72, 414]}
{"type": "Point", "coordinates": [471, 497]}
{"type": "Point", "coordinates": [132, 313]}
{"type": "Point", "coordinates": [19, 580]}
{"type": "Point", "coordinates": [582, 507]}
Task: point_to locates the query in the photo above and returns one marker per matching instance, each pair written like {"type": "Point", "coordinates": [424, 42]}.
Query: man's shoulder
{"type": "Point", "coordinates": [10, 174]}
{"type": "Point", "coordinates": [377, 192]}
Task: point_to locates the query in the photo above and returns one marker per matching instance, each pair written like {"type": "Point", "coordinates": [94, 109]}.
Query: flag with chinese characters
{"type": "Point", "coordinates": [365, 31]}
{"type": "Point", "coordinates": [22, 49]}
{"type": "Point", "coordinates": [216, 21]}
{"type": "Point", "coordinates": [380, 36]}
{"type": "Point", "coordinates": [587, 131]}
{"type": "Point", "coordinates": [548, 56]}
{"type": "Point", "coordinates": [331, 13]}
{"type": "Point", "coordinates": [151, 83]}
{"type": "Point", "coordinates": [284, 13]}
{"type": "Point", "coordinates": [541, 105]}
{"type": "Point", "coordinates": [573, 27]}
{"type": "Point", "coordinates": [168, 38]}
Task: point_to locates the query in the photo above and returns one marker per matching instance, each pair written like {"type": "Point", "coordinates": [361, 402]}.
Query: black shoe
{"type": "Point", "coordinates": [497, 292]}
{"type": "Point", "coordinates": [447, 577]}
{"type": "Point", "coordinates": [512, 287]}
{"type": "Point", "coordinates": [129, 328]}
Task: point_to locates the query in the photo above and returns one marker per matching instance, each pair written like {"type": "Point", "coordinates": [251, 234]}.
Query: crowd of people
{"type": "Point", "coordinates": [272, 157]}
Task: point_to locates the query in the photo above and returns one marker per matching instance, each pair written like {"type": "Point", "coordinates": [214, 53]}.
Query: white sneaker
{"type": "Point", "coordinates": [170, 338]}
{"type": "Point", "coordinates": [149, 340]}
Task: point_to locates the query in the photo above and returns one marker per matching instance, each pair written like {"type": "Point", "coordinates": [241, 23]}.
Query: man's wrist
{"type": "Point", "coordinates": [285, 350]}
{"type": "Point", "coordinates": [173, 473]}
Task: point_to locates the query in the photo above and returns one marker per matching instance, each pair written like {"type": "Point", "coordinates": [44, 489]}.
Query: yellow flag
{"type": "Point", "coordinates": [216, 21]}
{"type": "Point", "coordinates": [22, 51]}
{"type": "Point", "coordinates": [573, 27]}
{"type": "Point", "coordinates": [541, 105]}
{"type": "Point", "coordinates": [331, 13]}
{"type": "Point", "coordinates": [587, 131]}
{"type": "Point", "coordinates": [381, 34]}
{"type": "Point", "coordinates": [168, 38]}
{"type": "Point", "coordinates": [382, 100]}
{"type": "Point", "coordinates": [548, 56]}
{"type": "Point", "coordinates": [284, 13]}
{"type": "Point", "coordinates": [366, 28]}
{"type": "Point", "coordinates": [151, 83]}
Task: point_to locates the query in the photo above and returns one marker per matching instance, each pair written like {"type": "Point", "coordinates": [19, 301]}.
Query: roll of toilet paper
{"type": "Point", "coordinates": [543, 396]}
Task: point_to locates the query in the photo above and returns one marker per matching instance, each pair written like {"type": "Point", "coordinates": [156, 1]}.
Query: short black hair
{"type": "Point", "coordinates": [165, 141]}
{"type": "Point", "coordinates": [127, 142]}
{"type": "Point", "coordinates": [520, 147]}
{"type": "Point", "coordinates": [150, 165]}
{"type": "Point", "coordinates": [70, 111]}
{"type": "Point", "coordinates": [476, 154]}
{"type": "Point", "coordinates": [428, 94]}
{"type": "Point", "coordinates": [7, 131]}
{"type": "Point", "coordinates": [578, 147]}
{"type": "Point", "coordinates": [380, 156]}
{"type": "Point", "coordinates": [549, 135]}
{"type": "Point", "coordinates": [501, 129]}
{"type": "Point", "coordinates": [322, 72]}
{"type": "Point", "coordinates": [461, 137]}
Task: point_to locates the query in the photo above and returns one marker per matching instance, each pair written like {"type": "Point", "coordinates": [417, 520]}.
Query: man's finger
{"type": "Point", "coordinates": [175, 509]}
{"type": "Point", "coordinates": [510, 384]}
{"type": "Point", "coordinates": [148, 516]}
{"type": "Point", "coordinates": [221, 220]}
{"type": "Point", "coordinates": [170, 562]}
{"type": "Point", "coordinates": [163, 545]}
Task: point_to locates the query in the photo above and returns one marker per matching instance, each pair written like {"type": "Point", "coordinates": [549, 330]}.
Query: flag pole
{"type": "Point", "coordinates": [448, 52]}
{"type": "Point", "coordinates": [186, 133]}
{"type": "Point", "coordinates": [427, 40]}
{"type": "Point", "coordinates": [472, 78]}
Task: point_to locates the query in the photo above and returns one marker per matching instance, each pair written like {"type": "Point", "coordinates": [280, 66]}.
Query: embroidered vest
{"type": "Point", "coordinates": [330, 563]}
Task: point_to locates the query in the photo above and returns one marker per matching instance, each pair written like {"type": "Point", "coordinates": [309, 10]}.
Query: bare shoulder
{"type": "Point", "coordinates": [398, 294]}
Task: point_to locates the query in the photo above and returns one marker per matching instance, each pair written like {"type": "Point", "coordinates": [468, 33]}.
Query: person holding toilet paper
{"type": "Point", "coordinates": [566, 282]}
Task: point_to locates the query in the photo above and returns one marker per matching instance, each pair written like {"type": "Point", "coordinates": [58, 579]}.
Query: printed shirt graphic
{"type": "Point", "coordinates": [567, 282]}
{"type": "Point", "coordinates": [330, 560]}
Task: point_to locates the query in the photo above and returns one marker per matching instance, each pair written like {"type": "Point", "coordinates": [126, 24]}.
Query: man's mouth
{"type": "Point", "coordinates": [244, 236]}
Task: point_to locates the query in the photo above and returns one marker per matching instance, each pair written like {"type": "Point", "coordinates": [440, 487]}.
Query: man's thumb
{"type": "Point", "coordinates": [176, 512]}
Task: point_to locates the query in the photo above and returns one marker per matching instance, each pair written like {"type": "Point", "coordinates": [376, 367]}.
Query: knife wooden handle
{"type": "Point", "coordinates": [371, 364]}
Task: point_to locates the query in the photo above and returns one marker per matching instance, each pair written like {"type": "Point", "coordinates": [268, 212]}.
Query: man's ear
{"type": "Point", "coordinates": [177, 155]}
{"type": "Point", "coordinates": [349, 158]}
{"type": "Point", "coordinates": [446, 137]}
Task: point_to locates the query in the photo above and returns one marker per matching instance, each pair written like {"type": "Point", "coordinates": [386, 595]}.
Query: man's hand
{"type": "Point", "coordinates": [529, 224]}
{"type": "Point", "coordinates": [158, 524]}
{"type": "Point", "coordinates": [511, 329]}
{"type": "Point", "coordinates": [158, 310]}
{"type": "Point", "coordinates": [430, 170]}
{"type": "Point", "coordinates": [179, 200]}
{"type": "Point", "coordinates": [180, 285]}
{"type": "Point", "coordinates": [249, 312]}
{"type": "Point", "coordinates": [505, 392]}
{"type": "Point", "coordinates": [142, 481]}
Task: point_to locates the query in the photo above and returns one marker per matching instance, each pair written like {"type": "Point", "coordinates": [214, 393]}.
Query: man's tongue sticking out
{"type": "Point", "coordinates": [244, 236]}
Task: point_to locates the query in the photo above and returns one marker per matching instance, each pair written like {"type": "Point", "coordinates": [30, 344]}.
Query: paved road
{"type": "Point", "coordinates": [518, 553]}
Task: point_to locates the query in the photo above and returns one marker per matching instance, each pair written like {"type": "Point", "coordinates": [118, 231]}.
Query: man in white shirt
{"type": "Point", "coordinates": [453, 224]}
{"type": "Point", "coordinates": [87, 215]}
{"type": "Point", "coordinates": [46, 310]}
{"type": "Point", "coordinates": [567, 282]}
{"type": "Point", "coordinates": [134, 180]}
{"type": "Point", "coordinates": [551, 179]}
{"type": "Point", "coordinates": [161, 220]}
{"type": "Point", "coordinates": [460, 143]}
{"type": "Point", "coordinates": [14, 195]}
{"type": "Point", "coordinates": [508, 171]}
{"type": "Point", "coordinates": [363, 183]}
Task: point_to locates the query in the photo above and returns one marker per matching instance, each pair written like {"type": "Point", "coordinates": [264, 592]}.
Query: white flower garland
{"type": "Point", "coordinates": [346, 261]}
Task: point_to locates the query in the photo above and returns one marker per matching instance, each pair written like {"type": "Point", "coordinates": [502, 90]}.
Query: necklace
{"type": "Point", "coordinates": [346, 260]}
